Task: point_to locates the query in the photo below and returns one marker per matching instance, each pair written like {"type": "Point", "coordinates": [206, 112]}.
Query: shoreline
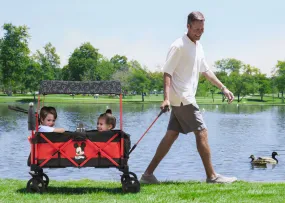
{"type": "Point", "coordinates": [66, 99]}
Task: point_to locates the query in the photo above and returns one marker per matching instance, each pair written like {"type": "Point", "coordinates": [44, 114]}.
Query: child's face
{"type": "Point", "coordinates": [49, 120]}
{"type": "Point", "coordinates": [102, 125]}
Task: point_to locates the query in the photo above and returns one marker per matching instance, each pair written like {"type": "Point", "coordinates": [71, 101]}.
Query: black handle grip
{"type": "Point", "coordinates": [165, 109]}
{"type": "Point", "coordinates": [132, 149]}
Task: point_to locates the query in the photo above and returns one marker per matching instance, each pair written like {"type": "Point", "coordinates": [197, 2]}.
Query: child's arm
{"type": "Point", "coordinates": [59, 130]}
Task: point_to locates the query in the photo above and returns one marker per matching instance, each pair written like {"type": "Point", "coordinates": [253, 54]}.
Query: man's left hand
{"type": "Point", "coordinates": [229, 95]}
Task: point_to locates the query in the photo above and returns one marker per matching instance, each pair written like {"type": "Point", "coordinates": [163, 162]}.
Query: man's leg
{"type": "Point", "coordinates": [205, 153]}
{"type": "Point", "coordinates": [161, 151]}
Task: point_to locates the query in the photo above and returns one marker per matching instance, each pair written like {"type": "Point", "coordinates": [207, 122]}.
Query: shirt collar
{"type": "Point", "coordinates": [188, 40]}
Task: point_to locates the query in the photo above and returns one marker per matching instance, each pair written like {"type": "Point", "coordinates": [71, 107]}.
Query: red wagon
{"type": "Point", "coordinates": [79, 148]}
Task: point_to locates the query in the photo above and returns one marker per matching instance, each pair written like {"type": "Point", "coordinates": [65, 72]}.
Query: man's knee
{"type": "Point", "coordinates": [201, 134]}
{"type": "Point", "coordinates": [172, 135]}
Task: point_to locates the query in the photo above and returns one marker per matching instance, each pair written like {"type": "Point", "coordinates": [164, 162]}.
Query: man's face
{"type": "Point", "coordinates": [195, 30]}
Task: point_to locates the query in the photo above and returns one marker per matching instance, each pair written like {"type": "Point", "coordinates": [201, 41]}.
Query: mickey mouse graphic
{"type": "Point", "coordinates": [79, 150]}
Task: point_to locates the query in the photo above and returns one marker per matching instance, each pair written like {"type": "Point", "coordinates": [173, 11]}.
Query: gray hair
{"type": "Point", "coordinates": [195, 16]}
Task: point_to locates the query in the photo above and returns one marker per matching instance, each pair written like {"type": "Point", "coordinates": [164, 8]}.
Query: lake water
{"type": "Point", "coordinates": [235, 132]}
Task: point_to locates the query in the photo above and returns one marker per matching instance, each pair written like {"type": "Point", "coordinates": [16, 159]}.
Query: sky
{"type": "Point", "coordinates": [252, 31]}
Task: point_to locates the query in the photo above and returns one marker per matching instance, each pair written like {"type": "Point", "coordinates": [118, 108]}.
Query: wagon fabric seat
{"type": "Point", "coordinates": [81, 149]}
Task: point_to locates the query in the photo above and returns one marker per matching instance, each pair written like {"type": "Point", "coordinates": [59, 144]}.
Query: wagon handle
{"type": "Point", "coordinates": [165, 109]}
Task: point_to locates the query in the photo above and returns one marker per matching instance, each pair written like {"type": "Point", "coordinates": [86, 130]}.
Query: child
{"type": "Point", "coordinates": [106, 121]}
{"type": "Point", "coordinates": [47, 119]}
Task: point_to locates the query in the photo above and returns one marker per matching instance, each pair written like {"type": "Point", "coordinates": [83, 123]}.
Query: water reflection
{"type": "Point", "coordinates": [235, 132]}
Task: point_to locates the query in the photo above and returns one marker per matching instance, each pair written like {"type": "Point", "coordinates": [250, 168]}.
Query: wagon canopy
{"type": "Point", "coordinates": [80, 87]}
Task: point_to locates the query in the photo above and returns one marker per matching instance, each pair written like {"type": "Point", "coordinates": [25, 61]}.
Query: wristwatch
{"type": "Point", "coordinates": [223, 87]}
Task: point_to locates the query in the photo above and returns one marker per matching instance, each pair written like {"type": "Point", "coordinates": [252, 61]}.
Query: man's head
{"type": "Point", "coordinates": [195, 25]}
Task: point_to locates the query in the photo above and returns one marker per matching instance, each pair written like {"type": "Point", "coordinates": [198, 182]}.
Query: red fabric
{"type": "Point", "coordinates": [113, 149]}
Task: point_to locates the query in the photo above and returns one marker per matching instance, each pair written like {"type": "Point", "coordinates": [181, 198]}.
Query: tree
{"type": "Point", "coordinates": [1, 77]}
{"type": "Point", "coordinates": [279, 75]}
{"type": "Point", "coordinates": [14, 55]}
{"type": "Point", "coordinates": [139, 80]}
{"type": "Point", "coordinates": [229, 65]}
{"type": "Point", "coordinates": [156, 81]}
{"type": "Point", "coordinates": [252, 74]}
{"type": "Point", "coordinates": [105, 69]}
{"type": "Point", "coordinates": [239, 84]}
{"type": "Point", "coordinates": [83, 62]}
{"type": "Point", "coordinates": [33, 76]}
{"type": "Point", "coordinates": [251, 70]}
{"type": "Point", "coordinates": [120, 63]}
{"type": "Point", "coordinates": [49, 61]}
{"type": "Point", "coordinates": [223, 77]}
{"type": "Point", "coordinates": [204, 87]}
{"type": "Point", "coordinates": [123, 76]}
{"type": "Point", "coordinates": [280, 81]}
{"type": "Point", "coordinates": [65, 73]}
{"type": "Point", "coordinates": [263, 85]}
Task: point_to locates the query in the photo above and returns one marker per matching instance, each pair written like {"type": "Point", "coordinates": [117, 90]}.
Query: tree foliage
{"type": "Point", "coordinates": [22, 71]}
{"type": "Point", "coordinates": [14, 55]}
{"type": "Point", "coordinates": [82, 63]}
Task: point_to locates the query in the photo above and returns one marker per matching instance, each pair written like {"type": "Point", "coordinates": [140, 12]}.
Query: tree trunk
{"type": "Point", "coordinates": [142, 96]}
{"type": "Point", "coordinates": [10, 92]}
{"type": "Point", "coordinates": [261, 95]}
{"type": "Point", "coordinates": [213, 97]}
{"type": "Point", "coordinates": [223, 98]}
{"type": "Point", "coordinates": [238, 98]}
{"type": "Point", "coordinates": [282, 97]}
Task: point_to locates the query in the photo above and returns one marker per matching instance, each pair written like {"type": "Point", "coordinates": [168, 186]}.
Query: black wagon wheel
{"type": "Point", "coordinates": [127, 176]}
{"type": "Point", "coordinates": [131, 185]}
{"type": "Point", "coordinates": [35, 185]}
{"type": "Point", "coordinates": [45, 178]}
{"type": "Point", "coordinates": [133, 174]}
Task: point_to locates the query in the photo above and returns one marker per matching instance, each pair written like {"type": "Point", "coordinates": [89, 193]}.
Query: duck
{"type": "Point", "coordinates": [264, 160]}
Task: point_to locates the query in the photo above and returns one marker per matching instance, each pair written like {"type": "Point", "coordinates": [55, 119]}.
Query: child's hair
{"type": "Point", "coordinates": [45, 110]}
{"type": "Point", "coordinates": [109, 118]}
{"type": "Point", "coordinates": [109, 111]}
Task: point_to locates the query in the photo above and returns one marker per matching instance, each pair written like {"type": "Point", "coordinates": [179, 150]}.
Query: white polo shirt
{"type": "Point", "coordinates": [185, 60]}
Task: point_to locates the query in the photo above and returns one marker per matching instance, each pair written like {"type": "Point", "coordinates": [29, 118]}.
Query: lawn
{"type": "Point", "coordinates": [94, 191]}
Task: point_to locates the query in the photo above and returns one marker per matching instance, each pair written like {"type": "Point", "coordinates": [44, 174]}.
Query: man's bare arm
{"type": "Point", "coordinates": [213, 79]}
{"type": "Point", "coordinates": [209, 75]}
{"type": "Point", "coordinates": [166, 84]}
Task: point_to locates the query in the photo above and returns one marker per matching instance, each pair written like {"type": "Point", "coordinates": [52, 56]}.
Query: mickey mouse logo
{"type": "Point", "coordinates": [79, 150]}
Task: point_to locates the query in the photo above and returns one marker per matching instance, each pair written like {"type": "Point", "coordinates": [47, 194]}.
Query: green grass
{"type": "Point", "coordinates": [251, 99]}
{"type": "Point", "coordinates": [80, 99]}
{"type": "Point", "coordinates": [94, 191]}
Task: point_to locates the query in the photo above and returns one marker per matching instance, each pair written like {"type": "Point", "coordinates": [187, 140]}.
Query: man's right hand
{"type": "Point", "coordinates": [164, 104]}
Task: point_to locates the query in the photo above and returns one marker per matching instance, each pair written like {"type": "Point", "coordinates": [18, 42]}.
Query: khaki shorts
{"type": "Point", "coordinates": [185, 119]}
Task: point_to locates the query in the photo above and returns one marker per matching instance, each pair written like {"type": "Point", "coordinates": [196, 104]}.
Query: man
{"type": "Point", "coordinates": [185, 60]}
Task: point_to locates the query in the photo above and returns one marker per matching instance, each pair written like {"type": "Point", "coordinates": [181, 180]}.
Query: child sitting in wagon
{"type": "Point", "coordinates": [106, 121]}
{"type": "Point", "coordinates": [47, 119]}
